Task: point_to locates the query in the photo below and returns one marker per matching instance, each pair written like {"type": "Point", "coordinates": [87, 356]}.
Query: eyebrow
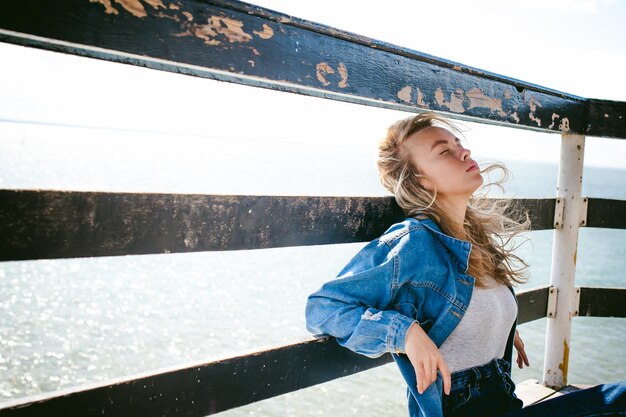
{"type": "Point", "coordinates": [439, 142]}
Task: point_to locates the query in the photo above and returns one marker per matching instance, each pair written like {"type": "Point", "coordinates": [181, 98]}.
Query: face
{"type": "Point", "coordinates": [439, 155]}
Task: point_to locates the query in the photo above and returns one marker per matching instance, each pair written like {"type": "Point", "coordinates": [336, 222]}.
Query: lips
{"type": "Point", "coordinates": [471, 167]}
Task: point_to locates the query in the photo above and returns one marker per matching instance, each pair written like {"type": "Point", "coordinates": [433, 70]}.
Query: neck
{"type": "Point", "coordinates": [455, 209]}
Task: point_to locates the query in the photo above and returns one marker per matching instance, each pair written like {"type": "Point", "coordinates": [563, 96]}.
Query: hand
{"type": "Point", "coordinates": [521, 353]}
{"type": "Point", "coordinates": [425, 358]}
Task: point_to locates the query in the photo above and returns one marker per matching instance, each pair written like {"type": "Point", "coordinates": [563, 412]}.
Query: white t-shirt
{"type": "Point", "coordinates": [484, 329]}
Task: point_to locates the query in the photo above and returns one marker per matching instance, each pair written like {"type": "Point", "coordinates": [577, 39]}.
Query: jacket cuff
{"type": "Point", "coordinates": [397, 333]}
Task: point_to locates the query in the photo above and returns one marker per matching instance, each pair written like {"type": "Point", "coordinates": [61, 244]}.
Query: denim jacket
{"type": "Point", "coordinates": [413, 273]}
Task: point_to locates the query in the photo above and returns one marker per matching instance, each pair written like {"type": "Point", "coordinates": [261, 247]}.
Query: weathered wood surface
{"type": "Point", "coordinates": [238, 42]}
{"type": "Point", "coordinates": [65, 224]}
{"type": "Point", "coordinates": [532, 304]}
{"type": "Point", "coordinates": [207, 388]}
{"type": "Point", "coordinates": [605, 213]}
{"type": "Point", "coordinates": [602, 302]}
{"type": "Point", "coordinates": [531, 391]}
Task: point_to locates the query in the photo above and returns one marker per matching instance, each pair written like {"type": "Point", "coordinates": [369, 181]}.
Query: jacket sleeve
{"type": "Point", "coordinates": [356, 307]}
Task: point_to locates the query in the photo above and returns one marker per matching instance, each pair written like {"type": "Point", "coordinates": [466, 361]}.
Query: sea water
{"type": "Point", "coordinates": [69, 322]}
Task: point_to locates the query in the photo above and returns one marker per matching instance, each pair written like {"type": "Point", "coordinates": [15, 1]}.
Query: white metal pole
{"type": "Point", "coordinates": [564, 261]}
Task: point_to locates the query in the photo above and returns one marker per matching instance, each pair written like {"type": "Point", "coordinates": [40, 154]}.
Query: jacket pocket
{"type": "Point", "coordinates": [457, 398]}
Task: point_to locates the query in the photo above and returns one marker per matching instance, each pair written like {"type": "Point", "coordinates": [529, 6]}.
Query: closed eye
{"type": "Point", "coordinates": [442, 152]}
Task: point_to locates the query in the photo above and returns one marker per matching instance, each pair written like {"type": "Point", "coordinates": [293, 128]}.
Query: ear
{"type": "Point", "coordinates": [425, 182]}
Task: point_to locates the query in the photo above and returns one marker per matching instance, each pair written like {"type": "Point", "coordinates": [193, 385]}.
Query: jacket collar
{"type": "Point", "coordinates": [460, 249]}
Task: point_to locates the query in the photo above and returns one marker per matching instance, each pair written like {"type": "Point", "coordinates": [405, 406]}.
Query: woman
{"type": "Point", "coordinates": [436, 289]}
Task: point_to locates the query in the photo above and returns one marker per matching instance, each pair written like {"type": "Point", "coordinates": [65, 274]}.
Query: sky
{"type": "Point", "coordinates": [575, 46]}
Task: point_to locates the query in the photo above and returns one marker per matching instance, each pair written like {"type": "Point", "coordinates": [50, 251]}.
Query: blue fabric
{"type": "Point", "coordinates": [413, 273]}
{"type": "Point", "coordinates": [488, 390]}
{"type": "Point", "coordinates": [485, 390]}
{"type": "Point", "coordinates": [601, 400]}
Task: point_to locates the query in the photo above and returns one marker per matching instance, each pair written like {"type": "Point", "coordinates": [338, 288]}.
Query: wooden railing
{"type": "Point", "coordinates": [241, 43]}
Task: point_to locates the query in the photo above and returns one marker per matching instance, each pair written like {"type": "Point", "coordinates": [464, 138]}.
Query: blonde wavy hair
{"type": "Point", "coordinates": [486, 226]}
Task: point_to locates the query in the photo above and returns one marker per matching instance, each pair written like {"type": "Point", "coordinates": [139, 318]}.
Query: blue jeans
{"type": "Point", "coordinates": [488, 390]}
{"type": "Point", "coordinates": [485, 390]}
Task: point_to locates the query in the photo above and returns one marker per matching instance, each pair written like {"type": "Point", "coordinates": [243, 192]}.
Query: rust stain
{"type": "Point", "coordinates": [322, 69]}
{"type": "Point", "coordinates": [456, 100]}
{"type": "Point", "coordinates": [533, 107]}
{"type": "Point", "coordinates": [405, 94]}
{"type": "Point", "coordinates": [479, 99]}
{"type": "Point", "coordinates": [189, 16]}
{"type": "Point", "coordinates": [267, 33]}
{"type": "Point", "coordinates": [563, 365]}
{"type": "Point", "coordinates": [456, 68]}
{"type": "Point", "coordinates": [108, 7]}
{"type": "Point", "coordinates": [343, 72]}
{"type": "Point", "coordinates": [575, 252]}
{"type": "Point", "coordinates": [420, 98]}
{"type": "Point", "coordinates": [515, 117]}
{"type": "Point", "coordinates": [564, 125]}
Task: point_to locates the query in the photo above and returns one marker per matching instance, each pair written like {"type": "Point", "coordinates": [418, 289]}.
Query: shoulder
{"type": "Point", "coordinates": [410, 232]}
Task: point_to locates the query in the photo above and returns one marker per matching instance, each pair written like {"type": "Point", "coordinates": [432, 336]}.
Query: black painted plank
{"type": "Point", "coordinates": [605, 213]}
{"type": "Point", "coordinates": [205, 388]}
{"type": "Point", "coordinates": [232, 41]}
{"type": "Point", "coordinates": [602, 302]}
{"type": "Point", "coordinates": [63, 224]}
{"type": "Point", "coordinates": [532, 304]}
{"type": "Point", "coordinates": [540, 211]}
{"type": "Point", "coordinates": [607, 118]}
{"type": "Point", "coordinates": [66, 224]}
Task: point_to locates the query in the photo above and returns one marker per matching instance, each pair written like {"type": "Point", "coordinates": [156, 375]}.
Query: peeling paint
{"type": "Point", "coordinates": [267, 32]}
{"type": "Point", "coordinates": [606, 115]}
{"type": "Point", "coordinates": [155, 4]}
{"type": "Point", "coordinates": [564, 365]}
{"type": "Point", "coordinates": [405, 94]}
{"type": "Point", "coordinates": [189, 16]}
{"type": "Point", "coordinates": [251, 62]}
{"type": "Point", "coordinates": [564, 125]}
{"type": "Point", "coordinates": [554, 117]}
{"type": "Point", "coordinates": [420, 98]}
{"type": "Point", "coordinates": [166, 16]}
{"type": "Point", "coordinates": [174, 7]}
{"type": "Point", "coordinates": [533, 107]}
{"type": "Point", "coordinates": [231, 29]}
{"type": "Point", "coordinates": [323, 68]}
{"type": "Point", "coordinates": [456, 68]}
{"type": "Point", "coordinates": [343, 72]}
{"type": "Point", "coordinates": [132, 6]}
{"type": "Point", "coordinates": [515, 117]}
{"type": "Point", "coordinates": [479, 99]}
{"type": "Point", "coordinates": [456, 100]}
{"type": "Point", "coordinates": [108, 7]}
{"type": "Point", "coordinates": [507, 94]}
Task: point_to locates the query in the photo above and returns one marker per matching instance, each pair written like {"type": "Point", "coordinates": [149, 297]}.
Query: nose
{"type": "Point", "coordinates": [465, 153]}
